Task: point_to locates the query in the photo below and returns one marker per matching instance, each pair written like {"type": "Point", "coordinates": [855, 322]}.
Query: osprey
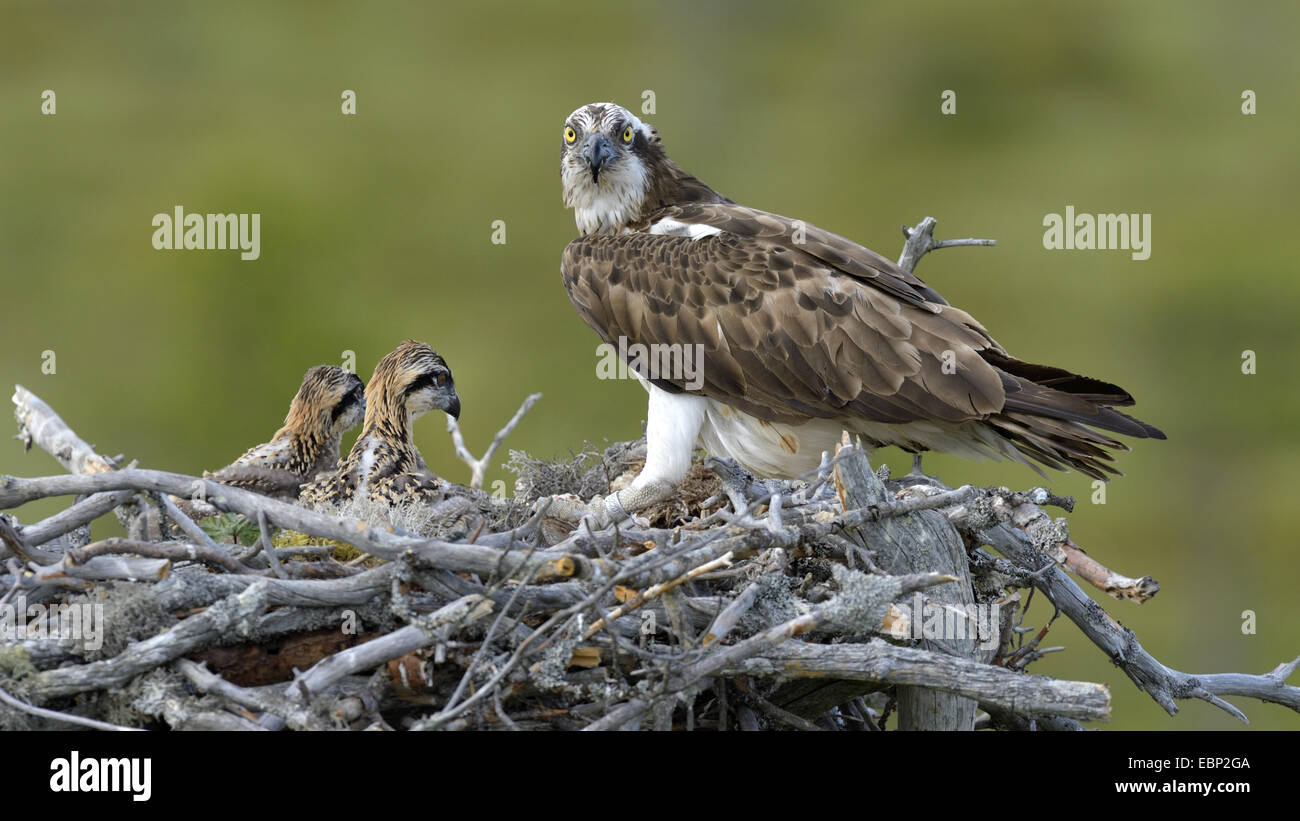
{"type": "Point", "coordinates": [384, 464]}
{"type": "Point", "coordinates": [803, 333]}
{"type": "Point", "coordinates": [330, 402]}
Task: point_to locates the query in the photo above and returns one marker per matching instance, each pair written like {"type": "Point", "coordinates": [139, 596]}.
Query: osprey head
{"type": "Point", "coordinates": [414, 378]}
{"type": "Point", "coordinates": [330, 402]}
{"type": "Point", "coordinates": [606, 157]}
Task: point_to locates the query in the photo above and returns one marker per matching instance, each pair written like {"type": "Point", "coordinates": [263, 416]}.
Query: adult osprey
{"type": "Point", "coordinates": [804, 333]}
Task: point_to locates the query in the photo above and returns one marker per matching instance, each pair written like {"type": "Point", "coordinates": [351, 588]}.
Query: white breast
{"type": "Point", "coordinates": [677, 423]}
{"type": "Point", "coordinates": [609, 206]}
{"type": "Point", "coordinates": [767, 448]}
{"type": "Point", "coordinates": [365, 465]}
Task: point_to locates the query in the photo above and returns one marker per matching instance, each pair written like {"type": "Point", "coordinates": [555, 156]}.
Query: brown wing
{"type": "Point", "coordinates": [266, 480]}
{"type": "Point", "coordinates": [823, 327]}
{"type": "Point", "coordinates": [1036, 390]}
{"type": "Point", "coordinates": [840, 253]}
{"type": "Point", "coordinates": [785, 334]}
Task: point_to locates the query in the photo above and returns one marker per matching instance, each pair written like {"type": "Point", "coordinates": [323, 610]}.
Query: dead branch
{"type": "Point", "coordinates": [1164, 684]}
{"type": "Point", "coordinates": [38, 423]}
{"type": "Point", "coordinates": [212, 556]}
{"type": "Point", "coordinates": [396, 644]}
{"type": "Point", "coordinates": [223, 618]}
{"type": "Point", "coordinates": [878, 661]}
{"type": "Point", "coordinates": [80, 514]}
{"type": "Point", "coordinates": [478, 467]}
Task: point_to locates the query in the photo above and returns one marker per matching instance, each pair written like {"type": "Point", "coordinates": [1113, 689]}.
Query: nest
{"type": "Point", "coordinates": [846, 601]}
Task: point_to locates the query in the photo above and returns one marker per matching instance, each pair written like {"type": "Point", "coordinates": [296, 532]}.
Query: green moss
{"type": "Point", "coordinates": [15, 662]}
{"type": "Point", "coordinates": [340, 551]}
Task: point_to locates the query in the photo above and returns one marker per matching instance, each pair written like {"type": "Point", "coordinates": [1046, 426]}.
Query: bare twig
{"type": "Point", "coordinates": [54, 715]}
{"type": "Point", "coordinates": [731, 615]}
{"type": "Point", "coordinates": [394, 645]}
{"type": "Point", "coordinates": [656, 591]}
{"type": "Point", "coordinates": [478, 467]}
{"type": "Point", "coordinates": [776, 713]}
{"type": "Point", "coordinates": [268, 547]}
{"type": "Point", "coordinates": [1121, 645]}
{"type": "Point", "coordinates": [213, 556]}
{"type": "Point", "coordinates": [184, 522]}
{"type": "Point", "coordinates": [218, 620]}
{"type": "Point", "coordinates": [37, 422]}
{"type": "Point", "coordinates": [292, 713]}
{"type": "Point", "coordinates": [83, 512]}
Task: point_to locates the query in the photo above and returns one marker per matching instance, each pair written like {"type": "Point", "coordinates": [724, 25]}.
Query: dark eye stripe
{"type": "Point", "coordinates": [345, 404]}
{"type": "Point", "coordinates": [428, 380]}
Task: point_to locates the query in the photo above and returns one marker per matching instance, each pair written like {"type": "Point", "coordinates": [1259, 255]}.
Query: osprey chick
{"type": "Point", "coordinates": [801, 333]}
{"type": "Point", "coordinates": [329, 403]}
{"type": "Point", "coordinates": [384, 465]}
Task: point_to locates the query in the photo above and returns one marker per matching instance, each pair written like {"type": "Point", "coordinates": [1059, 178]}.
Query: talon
{"type": "Point", "coordinates": [567, 507]}
{"type": "Point", "coordinates": [735, 481]}
{"type": "Point", "coordinates": [573, 509]}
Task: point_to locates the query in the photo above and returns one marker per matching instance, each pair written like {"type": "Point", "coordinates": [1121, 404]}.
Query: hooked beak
{"type": "Point", "coordinates": [598, 153]}
{"type": "Point", "coordinates": [453, 406]}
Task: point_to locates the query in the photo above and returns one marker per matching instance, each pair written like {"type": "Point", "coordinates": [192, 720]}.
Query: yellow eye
{"type": "Point", "coordinates": [569, 135]}
{"type": "Point", "coordinates": [627, 134]}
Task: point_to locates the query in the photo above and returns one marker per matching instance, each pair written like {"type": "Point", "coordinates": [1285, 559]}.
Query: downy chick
{"type": "Point", "coordinates": [384, 465]}
{"type": "Point", "coordinates": [330, 402]}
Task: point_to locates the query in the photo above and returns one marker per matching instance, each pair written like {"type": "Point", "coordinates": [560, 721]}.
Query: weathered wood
{"type": "Point", "coordinates": [38, 423]}
{"type": "Point", "coordinates": [915, 543]}
{"type": "Point", "coordinates": [398, 643]}
{"type": "Point", "coordinates": [1164, 684]}
{"type": "Point", "coordinates": [787, 604]}
{"type": "Point", "coordinates": [881, 663]}
{"type": "Point", "coordinates": [220, 619]}
{"type": "Point", "coordinates": [82, 513]}
{"type": "Point", "coordinates": [860, 606]}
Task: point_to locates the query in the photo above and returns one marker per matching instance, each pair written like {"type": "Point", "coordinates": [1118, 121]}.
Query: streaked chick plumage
{"type": "Point", "coordinates": [330, 402]}
{"type": "Point", "coordinates": [384, 465]}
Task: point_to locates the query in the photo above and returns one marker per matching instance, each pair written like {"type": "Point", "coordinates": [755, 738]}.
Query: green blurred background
{"type": "Point", "coordinates": [377, 227]}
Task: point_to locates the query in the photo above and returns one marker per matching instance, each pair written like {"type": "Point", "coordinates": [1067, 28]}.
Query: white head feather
{"type": "Point", "coordinates": [615, 198]}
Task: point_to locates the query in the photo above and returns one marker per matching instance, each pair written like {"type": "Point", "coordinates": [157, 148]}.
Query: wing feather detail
{"type": "Point", "coordinates": [798, 337]}
{"type": "Point", "coordinates": [825, 328]}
